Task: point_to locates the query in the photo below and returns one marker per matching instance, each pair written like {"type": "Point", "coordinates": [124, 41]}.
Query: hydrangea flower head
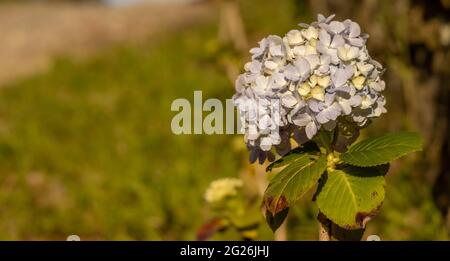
{"type": "Point", "coordinates": [309, 80]}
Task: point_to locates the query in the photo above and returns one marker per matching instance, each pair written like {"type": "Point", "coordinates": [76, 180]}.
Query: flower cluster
{"type": "Point", "coordinates": [220, 189]}
{"type": "Point", "coordinates": [308, 80]}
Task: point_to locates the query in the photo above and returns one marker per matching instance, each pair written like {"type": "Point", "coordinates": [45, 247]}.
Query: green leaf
{"type": "Point", "coordinates": [286, 187]}
{"type": "Point", "coordinates": [351, 196]}
{"type": "Point", "coordinates": [325, 139]}
{"type": "Point", "coordinates": [383, 149]}
{"type": "Point", "coordinates": [309, 147]}
{"type": "Point", "coordinates": [275, 221]}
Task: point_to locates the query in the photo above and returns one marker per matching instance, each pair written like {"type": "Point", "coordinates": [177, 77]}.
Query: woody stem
{"type": "Point", "coordinates": [324, 229]}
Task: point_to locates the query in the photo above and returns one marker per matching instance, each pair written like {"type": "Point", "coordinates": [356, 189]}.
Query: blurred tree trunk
{"type": "Point", "coordinates": [231, 27]}
{"type": "Point", "coordinates": [231, 34]}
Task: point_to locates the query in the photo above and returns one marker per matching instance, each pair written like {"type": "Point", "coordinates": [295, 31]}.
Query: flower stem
{"type": "Point", "coordinates": [324, 234]}
{"type": "Point", "coordinates": [324, 228]}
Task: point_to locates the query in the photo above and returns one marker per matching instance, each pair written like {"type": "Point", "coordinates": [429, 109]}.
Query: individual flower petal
{"type": "Point", "coordinates": [345, 105]}
{"type": "Point", "coordinates": [314, 105]}
{"type": "Point", "coordinates": [265, 122]}
{"type": "Point", "coordinates": [252, 132]}
{"type": "Point", "coordinates": [299, 50]}
{"type": "Point", "coordinates": [337, 42]}
{"type": "Point", "coordinates": [323, 19]}
{"type": "Point", "coordinates": [329, 113]}
{"type": "Point", "coordinates": [288, 100]}
{"type": "Point", "coordinates": [301, 119]}
{"type": "Point", "coordinates": [377, 85]}
{"type": "Point", "coordinates": [366, 102]}
{"type": "Point", "coordinates": [261, 84]}
{"type": "Point", "coordinates": [318, 93]}
{"type": "Point", "coordinates": [358, 82]}
{"type": "Point", "coordinates": [275, 50]}
{"type": "Point", "coordinates": [336, 27]}
{"type": "Point", "coordinates": [324, 81]}
{"type": "Point", "coordinates": [312, 80]}
{"type": "Point", "coordinates": [358, 42]}
{"type": "Point", "coordinates": [240, 83]}
{"type": "Point", "coordinates": [266, 144]}
{"type": "Point", "coordinates": [348, 52]}
{"type": "Point", "coordinates": [292, 73]}
{"type": "Point", "coordinates": [311, 130]}
{"type": "Point", "coordinates": [278, 80]}
{"type": "Point", "coordinates": [310, 33]}
{"type": "Point", "coordinates": [354, 30]}
{"type": "Point", "coordinates": [364, 68]}
{"type": "Point", "coordinates": [275, 138]}
{"type": "Point", "coordinates": [342, 75]}
{"type": "Point", "coordinates": [313, 61]}
{"type": "Point", "coordinates": [324, 38]}
{"type": "Point", "coordinates": [294, 37]}
{"type": "Point", "coordinates": [256, 52]}
{"type": "Point", "coordinates": [304, 89]}
{"type": "Point", "coordinates": [303, 67]}
{"type": "Point", "coordinates": [271, 65]}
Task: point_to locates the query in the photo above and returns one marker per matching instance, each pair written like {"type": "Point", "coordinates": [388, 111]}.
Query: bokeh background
{"type": "Point", "coordinates": [85, 94]}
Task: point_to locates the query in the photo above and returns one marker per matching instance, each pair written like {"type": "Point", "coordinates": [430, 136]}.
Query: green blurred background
{"type": "Point", "coordinates": [85, 94]}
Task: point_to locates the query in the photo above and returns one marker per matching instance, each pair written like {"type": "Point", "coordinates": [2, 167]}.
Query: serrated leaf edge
{"type": "Point", "coordinates": [375, 165]}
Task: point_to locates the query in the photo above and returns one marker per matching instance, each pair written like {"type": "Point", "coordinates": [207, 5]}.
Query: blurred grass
{"type": "Point", "coordinates": [87, 149]}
